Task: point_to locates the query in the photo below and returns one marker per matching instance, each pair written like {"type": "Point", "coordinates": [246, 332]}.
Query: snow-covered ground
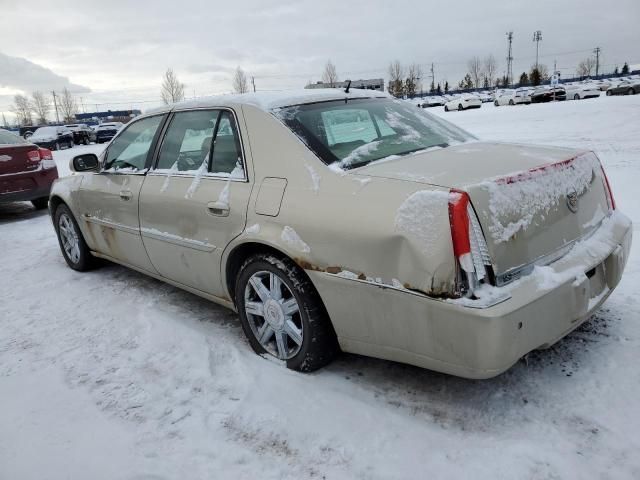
{"type": "Point", "coordinates": [113, 375]}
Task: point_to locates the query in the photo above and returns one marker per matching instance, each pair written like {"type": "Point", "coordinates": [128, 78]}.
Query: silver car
{"type": "Point", "coordinates": [351, 221]}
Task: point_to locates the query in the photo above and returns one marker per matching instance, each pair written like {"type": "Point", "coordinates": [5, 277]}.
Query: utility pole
{"type": "Point", "coordinates": [82, 103]}
{"type": "Point", "coordinates": [597, 52]}
{"type": "Point", "coordinates": [55, 105]}
{"type": "Point", "coordinates": [537, 36]}
{"type": "Point", "coordinates": [509, 59]}
{"type": "Point", "coordinates": [433, 76]}
{"type": "Point", "coordinates": [253, 82]}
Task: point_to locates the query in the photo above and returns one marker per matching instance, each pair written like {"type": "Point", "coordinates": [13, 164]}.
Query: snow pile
{"type": "Point", "coordinates": [253, 229]}
{"type": "Point", "coordinates": [420, 216]}
{"type": "Point", "coordinates": [291, 238]}
{"type": "Point", "coordinates": [528, 194]}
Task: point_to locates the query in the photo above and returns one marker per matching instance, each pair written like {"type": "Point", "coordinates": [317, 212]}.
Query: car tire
{"type": "Point", "coordinates": [511, 102]}
{"type": "Point", "coordinates": [495, 102]}
{"type": "Point", "coordinates": [74, 249]}
{"type": "Point", "coordinates": [446, 109]}
{"type": "Point", "coordinates": [40, 203]}
{"type": "Point", "coordinates": [86, 140]}
{"type": "Point", "coordinates": [631, 91]}
{"type": "Point", "coordinates": [608, 93]}
{"type": "Point", "coordinates": [303, 338]}
{"type": "Point", "coordinates": [576, 97]}
{"type": "Point", "coordinates": [460, 108]}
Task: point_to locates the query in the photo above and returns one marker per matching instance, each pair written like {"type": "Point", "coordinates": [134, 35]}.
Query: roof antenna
{"type": "Point", "coordinates": [346, 90]}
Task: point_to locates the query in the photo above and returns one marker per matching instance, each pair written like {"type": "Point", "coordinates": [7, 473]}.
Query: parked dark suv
{"type": "Point", "coordinates": [82, 133]}
{"type": "Point", "coordinates": [548, 94]}
{"type": "Point", "coordinates": [106, 131]}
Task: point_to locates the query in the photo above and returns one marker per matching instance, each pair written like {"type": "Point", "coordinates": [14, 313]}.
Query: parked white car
{"type": "Point", "coordinates": [580, 91]}
{"type": "Point", "coordinates": [513, 97]}
{"type": "Point", "coordinates": [463, 102]}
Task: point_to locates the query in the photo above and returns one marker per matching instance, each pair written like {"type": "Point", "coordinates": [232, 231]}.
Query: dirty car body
{"type": "Point", "coordinates": [421, 244]}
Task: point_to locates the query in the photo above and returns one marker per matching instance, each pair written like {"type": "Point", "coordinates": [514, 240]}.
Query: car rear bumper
{"type": "Point", "coordinates": [449, 336]}
{"type": "Point", "coordinates": [26, 186]}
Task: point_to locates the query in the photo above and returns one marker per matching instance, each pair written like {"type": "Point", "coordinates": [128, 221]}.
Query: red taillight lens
{"type": "Point", "coordinates": [612, 202]}
{"type": "Point", "coordinates": [34, 156]}
{"type": "Point", "coordinates": [459, 220]}
{"type": "Point", "coordinates": [45, 154]}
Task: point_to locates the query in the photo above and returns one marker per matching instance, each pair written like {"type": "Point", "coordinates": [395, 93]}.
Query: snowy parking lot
{"type": "Point", "coordinates": [114, 375]}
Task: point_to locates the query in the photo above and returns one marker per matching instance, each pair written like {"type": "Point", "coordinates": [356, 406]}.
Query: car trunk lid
{"type": "Point", "coordinates": [18, 158]}
{"type": "Point", "coordinates": [532, 203]}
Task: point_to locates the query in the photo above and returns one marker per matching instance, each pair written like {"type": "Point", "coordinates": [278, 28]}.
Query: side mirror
{"type": "Point", "coordinates": [84, 163]}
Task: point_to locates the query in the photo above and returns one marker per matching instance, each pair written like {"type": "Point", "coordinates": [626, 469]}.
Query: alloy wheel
{"type": "Point", "coordinates": [69, 237]}
{"type": "Point", "coordinates": [273, 314]}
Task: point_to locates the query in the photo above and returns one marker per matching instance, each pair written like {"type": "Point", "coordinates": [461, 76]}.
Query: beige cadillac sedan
{"type": "Point", "coordinates": [348, 220]}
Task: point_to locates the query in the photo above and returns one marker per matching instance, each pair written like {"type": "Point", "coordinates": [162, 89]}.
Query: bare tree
{"type": "Point", "coordinates": [172, 90]}
{"type": "Point", "coordinates": [68, 106]}
{"type": "Point", "coordinates": [585, 67]}
{"type": "Point", "coordinates": [40, 106]}
{"type": "Point", "coordinates": [414, 73]}
{"type": "Point", "coordinates": [396, 75]}
{"type": "Point", "coordinates": [475, 70]}
{"type": "Point", "coordinates": [329, 75]}
{"type": "Point", "coordinates": [240, 84]}
{"type": "Point", "coordinates": [490, 66]}
{"type": "Point", "coordinates": [22, 109]}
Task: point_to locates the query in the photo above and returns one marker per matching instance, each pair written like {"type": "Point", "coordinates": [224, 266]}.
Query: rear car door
{"type": "Point", "coordinates": [194, 201]}
{"type": "Point", "coordinates": [109, 199]}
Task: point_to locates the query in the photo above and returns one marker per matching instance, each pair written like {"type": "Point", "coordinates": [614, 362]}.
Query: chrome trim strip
{"type": "Point", "coordinates": [107, 223]}
{"type": "Point", "coordinates": [518, 272]}
{"type": "Point", "coordinates": [210, 176]}
{"type": "Point", "coordinates": [175, 240]}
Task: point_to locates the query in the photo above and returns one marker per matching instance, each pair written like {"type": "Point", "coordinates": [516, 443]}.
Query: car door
{"type": "Point", "coordinates": [108, 200]}
{"type": "Point", "coordinates": [194, 201]}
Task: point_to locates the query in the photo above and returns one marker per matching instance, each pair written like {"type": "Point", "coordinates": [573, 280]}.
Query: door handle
{"type": "Point", "coordinates": [125, 195]}
{"type": "Point", "coordinates": [218, 209]}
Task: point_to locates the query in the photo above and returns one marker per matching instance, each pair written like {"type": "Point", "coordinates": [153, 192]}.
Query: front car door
{"type": "Point", "coordinates": [109, 199]}
{"type": "Point", "coordinates": [194, 201]}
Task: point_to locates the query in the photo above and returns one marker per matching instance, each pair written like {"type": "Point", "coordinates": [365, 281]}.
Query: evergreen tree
{"type": "Point", "coordinates": [535, 77]}
{"type": "Point", "coordinates": [468, 81]}
{"type": "Point", "coordinates": [446, 87]}
{"type": "Point", "coordinates": [616, 71]}
{"type": "Point", "coordinates": [524, 79]}
{"type": "Point", "coordinates": [439, 90]}
{"type": "Point", "coordinates": [485, 83]}
{"type": "Point", "coordinates": [625, 69]}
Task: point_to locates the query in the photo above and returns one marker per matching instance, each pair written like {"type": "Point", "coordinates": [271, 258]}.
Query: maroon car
{"type": "Point", "coordinates": [26, 171]}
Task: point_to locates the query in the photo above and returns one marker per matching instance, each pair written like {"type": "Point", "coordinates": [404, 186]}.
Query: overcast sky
{"type": "Point", "coordinates": [113, 53]}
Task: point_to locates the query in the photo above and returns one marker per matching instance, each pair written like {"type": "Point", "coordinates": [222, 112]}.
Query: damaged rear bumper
{"type": "Point", "coordinates": [450, 337]}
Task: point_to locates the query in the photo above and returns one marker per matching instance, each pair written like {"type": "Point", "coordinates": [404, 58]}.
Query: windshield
{"type": "Point", "coordinates": [354, 133]}
{"type": "Point", "coordinates": [46, 132]}
{"type": "Point", "coordinates": [8, 138]}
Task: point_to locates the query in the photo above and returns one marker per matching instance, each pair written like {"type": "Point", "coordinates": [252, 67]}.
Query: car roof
{"type": "Point", "coordinates": [270, 100]}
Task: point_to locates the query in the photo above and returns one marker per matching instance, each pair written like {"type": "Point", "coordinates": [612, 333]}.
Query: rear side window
{"type": "Point", "coordinates": [8, 138]}
{"type": "Point", "coordinates": [130, 148]}
{"type": "Point", "coordinates": [226, 158]}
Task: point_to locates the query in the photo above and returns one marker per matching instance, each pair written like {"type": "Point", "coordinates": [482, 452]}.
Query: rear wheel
{"type": "Point", "coordinates": [86, 140]}
{"type": "Point", "coordinates": [460, 107]}
{"type": "Point", "coordinates": [40, 203]}
{"type": "Point", "coordinates": [608, 93]}
{"type": "Point", "coordinates": [511, 102]}
{"type": "Point", "coordinates": [446, 109]}
{"type": "Point", "coordinates": [282, 315]}
{"type": "Point", "coordinates": [74, 249]}
{"type": "Point", "coordinates": [631, 91]}
{"type": "Point", "coordinates": [495, 102]}
{"type": "Point", "coordinates": [576, 97]}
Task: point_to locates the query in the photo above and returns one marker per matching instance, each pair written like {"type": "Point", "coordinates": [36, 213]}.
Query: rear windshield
{"type": "Point", "coordinates": [354, 133]}
{"type": "Point", "coordinates": [8, 138]}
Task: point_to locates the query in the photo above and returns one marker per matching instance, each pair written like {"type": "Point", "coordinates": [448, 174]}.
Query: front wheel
{"type": "Point", "coordinates": [495, 102]}
{"type": "Point", "coordinates": [446, 109]}
{"type": "Point", "coordinates": [74, 249]}
{"type": "Point", "coordinates": [511, 102]}
{"type": "Point", "coordinates": [631, 91]}
{"type": "Point", "coordinates": [460, 107]}
{"type": "Point", "coordinates": [608, 93]}
{"type": "Point", "coordinates": [282, 314]}
{"type": "Point", "coordinates": [576, 97]}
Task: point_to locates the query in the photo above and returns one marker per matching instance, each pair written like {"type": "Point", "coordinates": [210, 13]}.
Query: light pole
{"type": "Point", "coordinates": [537, 36]}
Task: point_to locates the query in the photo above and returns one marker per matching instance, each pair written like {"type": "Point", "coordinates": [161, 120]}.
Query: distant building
{"type": "Point", "coordinates": [370, 84]}
{"type": "Point", "coordinates": [109, 116]}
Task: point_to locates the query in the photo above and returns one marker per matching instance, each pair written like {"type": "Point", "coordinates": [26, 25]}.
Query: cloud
{"type": "Point", "coordinates": [22, 74]}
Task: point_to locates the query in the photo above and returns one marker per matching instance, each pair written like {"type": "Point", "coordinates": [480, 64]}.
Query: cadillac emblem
{"type": "Point", "coordinates": [572, 201]}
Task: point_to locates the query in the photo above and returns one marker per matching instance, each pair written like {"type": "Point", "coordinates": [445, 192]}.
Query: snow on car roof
{"type": "Point", "coordinates": [270, 100]}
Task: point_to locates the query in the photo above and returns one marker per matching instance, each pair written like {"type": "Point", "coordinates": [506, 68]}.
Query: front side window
{"type": "Point", "coordinates": [354, 133]}
{"type": "Point", "coordinates": [130, 149]}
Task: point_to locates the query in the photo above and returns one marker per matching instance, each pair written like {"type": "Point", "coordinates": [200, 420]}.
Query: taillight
{"type": "Point", "coordinates": [34, 156]}
{"type": "Point", "coordinates": [610, 200]}
{"type": "Point", "coordinates": [469, 245]}
{"type": "Point", "coordinates": [45, 154]}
